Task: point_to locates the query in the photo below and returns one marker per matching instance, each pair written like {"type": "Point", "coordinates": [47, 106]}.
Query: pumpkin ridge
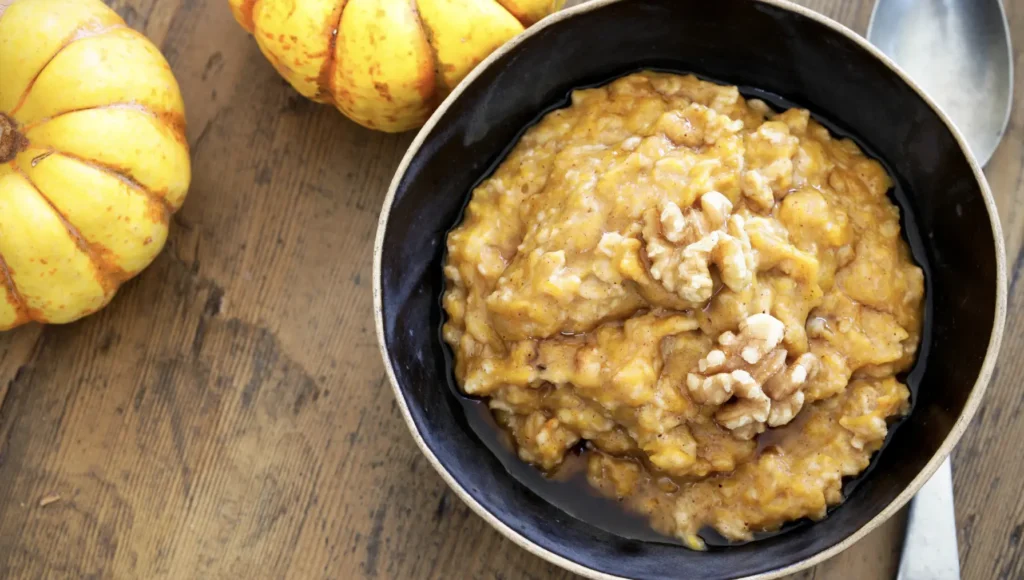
{"type": "Point", "coordinates": [510, 13]}
{"type": "Point", "coordinates": [14, 297]}
{"type": "Point", "coordinates": [324, 81]}
{"type": "Point", "coordinates": [175, 121]}
{"type": "Point", "coordinates": [253, 4]}
{"type": "Point", "coordinates": [428, 35]}
{"type": "Point", "coordinates": [80, 33]}
{"type": "Point", "coordinates": [108, 275]}
{"type": "Point", "coordinates": [162, 210]}
{"type": "Point", "coordinates": [246, 9]}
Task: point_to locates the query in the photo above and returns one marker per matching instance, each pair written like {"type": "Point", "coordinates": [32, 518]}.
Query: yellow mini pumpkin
{"type": "Point", "coordinates": [385, 64]}
{"type": "Point", "coordinates": [93, 157]}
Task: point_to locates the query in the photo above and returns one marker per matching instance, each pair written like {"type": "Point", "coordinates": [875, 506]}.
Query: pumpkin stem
{"type": "Point", "coordinates": [11, 141]}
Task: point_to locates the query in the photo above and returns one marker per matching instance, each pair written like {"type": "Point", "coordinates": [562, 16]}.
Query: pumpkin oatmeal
{"type": "Point", "coordinates": [712, 298]}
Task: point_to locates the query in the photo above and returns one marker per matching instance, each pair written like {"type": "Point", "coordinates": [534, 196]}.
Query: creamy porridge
{"type": "Point", "coordinates": [713, 298]}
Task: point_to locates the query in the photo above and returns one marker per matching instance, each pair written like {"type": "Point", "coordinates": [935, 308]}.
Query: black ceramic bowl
{"type": "Point", "coordinates": [769, 45]}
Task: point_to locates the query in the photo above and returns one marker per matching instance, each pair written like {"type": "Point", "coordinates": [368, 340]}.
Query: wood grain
{"type": "Point", "coordinates": [228, 416]}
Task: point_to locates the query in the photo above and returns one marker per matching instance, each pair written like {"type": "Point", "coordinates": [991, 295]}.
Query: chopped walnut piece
{"type": "Point", "coordinates": [682, 227]}
{"type": "Point", "coordinates": [731, 258]}
{"type": "Point", "coordinates": [738, 274]}
{"type": "Point", "coordinates": [748, 431]}
{"type": "Point", "coordinates": [693, 275]}
{"type": "Point", "coordinates": [713, 390]}
{"type": "Point", "coordinates": [751, 405]}
{"type": "Point", "coordinates": [681, 248]}
{"type": "Point", "coordinates": [718, 387]}
{"type": "Point", "coordinates": [782, 412]}
{"type": "Point", "coordinates": [759, 334]}
{"type": "Point", "coordinates": [783, 385]}
{"type": "Point", "coordinates": [765, 332]}
{"type": "Point", "coordinates": [715, 358]}
{"type": "Point", "coordinates": [672, 222]}
{"type": "Point", "coordinates": [746, 387]}
{"type": "Point", "coordinates": [681, 271]}
{"type": "Point", "coordinates": [757, 189]}
{"type": "Point", "coordinates": [770, 365]}
{"type": "Point", "coordinates": [716, 207]}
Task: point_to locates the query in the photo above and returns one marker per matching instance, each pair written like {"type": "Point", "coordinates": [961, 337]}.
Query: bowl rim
{"type": "Point", "coordinates": [955, 433]}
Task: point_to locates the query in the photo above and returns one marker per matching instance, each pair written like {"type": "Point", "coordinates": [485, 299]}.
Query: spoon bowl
{"type": "Point", "coordinates": [958, 51]}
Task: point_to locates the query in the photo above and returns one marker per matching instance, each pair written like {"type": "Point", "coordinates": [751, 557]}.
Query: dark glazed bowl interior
{"type": "Point", "coordinates": [740, 42]}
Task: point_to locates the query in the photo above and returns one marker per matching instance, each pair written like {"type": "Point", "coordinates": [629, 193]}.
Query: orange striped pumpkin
{"type": "Point", "coordinates": [385, 64]}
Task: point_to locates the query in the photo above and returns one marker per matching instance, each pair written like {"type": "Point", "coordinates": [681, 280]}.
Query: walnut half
{"type": "Point", "coordinates": [748, 377]}
{"type": "Point", "coordinates": [682, 245]}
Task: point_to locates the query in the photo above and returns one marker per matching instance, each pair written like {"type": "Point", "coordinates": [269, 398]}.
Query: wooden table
{"type": "Point", "coordinates": [228, 415]}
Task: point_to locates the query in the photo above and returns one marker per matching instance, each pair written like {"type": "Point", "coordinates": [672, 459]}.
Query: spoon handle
{"type": "Point", "coordinates": [930, 548]}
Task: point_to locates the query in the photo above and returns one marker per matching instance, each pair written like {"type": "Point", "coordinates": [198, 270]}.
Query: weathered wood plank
{"type": "Point", "coordinates": [227, 416]}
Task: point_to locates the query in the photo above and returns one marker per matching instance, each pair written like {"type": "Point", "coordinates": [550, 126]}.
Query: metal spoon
{"type": "Point", "coordinates": [959, 52]}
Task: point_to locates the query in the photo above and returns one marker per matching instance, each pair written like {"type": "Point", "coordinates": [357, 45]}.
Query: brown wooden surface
{"type": "Point", "coordinates": [228, 416]}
